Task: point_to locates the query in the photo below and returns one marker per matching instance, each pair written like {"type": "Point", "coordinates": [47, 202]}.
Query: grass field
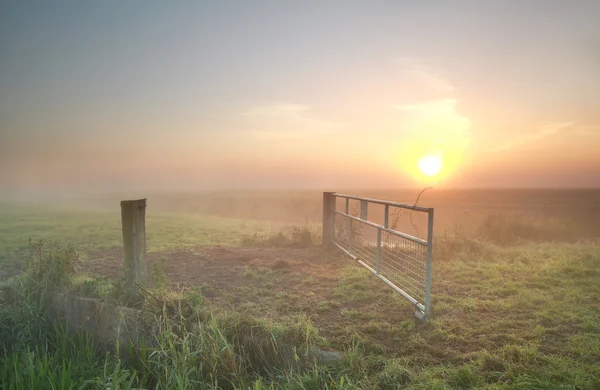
{"type": "Point", "coordinates": [521, 312]}
{"type": "Point", "coordinates": [92, 230]}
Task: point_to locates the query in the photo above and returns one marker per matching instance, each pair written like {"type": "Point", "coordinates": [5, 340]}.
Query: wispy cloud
{"type": "Point", "coordinates": [436, 118]}
{"type": "Point", "coordinates": [279, 110]}
{"type": "Point", "coordinates": [288, 121]}
{"type": "Point", "coordinates": [439, 105]}
{"type": "Point", "coordinates": [278, 135]}
{"type": "Point", "coordinates": [426, 75]}
{"type": "Point", "coordinates": [587, 131]}
{"type": "Point", "coordinates": [541, 132]}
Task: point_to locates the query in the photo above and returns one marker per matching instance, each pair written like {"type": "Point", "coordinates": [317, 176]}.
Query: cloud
{"type": "Point", "coordinates": [281, 110]}
{"type": "Point", "coordinates": [543, 131]}
{"type": "Point", "coordinates": [287, 121]}
{"type": "Point", "coordinates": [446, 106]}
{"type": "Point", "coordinates": [425, 75]}
{"type": "Point", "coordinates": [587, 131]}
{"type": "Point", "coordinates": [278, 135]}
{"type": "Point", "coordinates": [436, 118]}
{"type": "Point", "coordinates": [434, 81]}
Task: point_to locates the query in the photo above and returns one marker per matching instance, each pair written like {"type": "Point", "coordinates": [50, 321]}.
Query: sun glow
{"type": "Point", "coordinates": [434, 141]}
{"type": "Point", "coordinates": [430, 165]}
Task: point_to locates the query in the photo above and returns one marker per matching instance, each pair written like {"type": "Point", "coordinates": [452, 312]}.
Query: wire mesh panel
{"type": "Point", "coordinates": [341, 235]}
{"type": "Point", "coordinates": [401, 260]}
{"type": "Point", "coordinates": [364, 242]}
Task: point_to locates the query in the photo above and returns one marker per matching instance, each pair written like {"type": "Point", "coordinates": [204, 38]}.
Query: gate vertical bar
{"type": "Point", "coordinates": [386, 221]}
{"type": "Point", "coordinates": [363, 210]}
{"type": "Point", "coordinates": [378, 251]}
{"type": "Point", "coordinates": [428, 266]}
{"type": "Point", "coordinates": [350, 236]}
{"type": "Point", "coordinates": [333, 222]}
{"type": "Point", "coordinates": [349, 226]}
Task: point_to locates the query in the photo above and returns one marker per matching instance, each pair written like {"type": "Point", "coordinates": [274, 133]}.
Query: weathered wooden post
{"type": "Point", "coordinates": [133, 220]}
{"type": "Point", "coordinates": [328, 215]}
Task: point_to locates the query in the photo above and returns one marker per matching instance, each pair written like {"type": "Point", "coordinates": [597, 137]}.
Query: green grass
{"type": "Point", "coordinates": [191, 349]}
{"type": "Point", "coordinates": [88, 230]}
{"type": "Point", "coordinates": [523, 315]}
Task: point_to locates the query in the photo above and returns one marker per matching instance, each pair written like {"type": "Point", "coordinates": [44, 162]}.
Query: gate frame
{"type": "Point", "coordinates": [422, 311]}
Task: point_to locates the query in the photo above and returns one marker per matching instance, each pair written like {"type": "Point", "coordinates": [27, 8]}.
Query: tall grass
{"type": "Point", "coordinates": [192, 349]}
{"type": "Point", "coordinates": [510, 229]}
{"type": "Point", "coordinates": [507, 230]}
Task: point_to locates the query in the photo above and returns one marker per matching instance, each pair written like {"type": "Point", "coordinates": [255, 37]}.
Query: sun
{"type": "Point", "coordinates": [430, 165]}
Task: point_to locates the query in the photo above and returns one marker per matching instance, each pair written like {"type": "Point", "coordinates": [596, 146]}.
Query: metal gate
{"type": "Point", "coordinates": [401, 260]}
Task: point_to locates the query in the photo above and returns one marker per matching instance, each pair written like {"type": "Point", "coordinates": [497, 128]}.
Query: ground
{"type": "Point", "coordinates": [539, 296]}
{"type": "Point", "coordinates": [275, 283]}
{"type": "Point", "coordinates": [515, 306]}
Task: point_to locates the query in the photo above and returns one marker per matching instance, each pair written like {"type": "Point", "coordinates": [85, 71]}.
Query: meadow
{"type": "Point", "coordinates": [516, 294]}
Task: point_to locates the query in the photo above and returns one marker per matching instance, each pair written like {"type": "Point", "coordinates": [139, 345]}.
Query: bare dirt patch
{"type": "Point", "coordinates": [272, 283]}
{"type": "Point", "coordinates": [223, 268]}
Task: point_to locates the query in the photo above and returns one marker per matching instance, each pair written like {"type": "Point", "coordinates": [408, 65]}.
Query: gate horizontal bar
{"type": "Point", "coordinates": [395, 204]}
{"type": "Point", "coordinates": [391, 231]}
{"type": "Point", "coordinates": [392, 285]}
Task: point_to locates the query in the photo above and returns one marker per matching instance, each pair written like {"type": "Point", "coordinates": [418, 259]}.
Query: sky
{"type": "Point", "coordinates": [113, 95]}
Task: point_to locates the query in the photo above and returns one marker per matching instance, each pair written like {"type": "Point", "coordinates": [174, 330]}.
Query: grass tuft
{"type": "Point", "coordinates": [300, 237]}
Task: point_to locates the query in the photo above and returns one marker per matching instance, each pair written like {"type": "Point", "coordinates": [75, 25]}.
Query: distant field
{"type": "Point", "coordinates": [463, 208]}
{"type": "Point", "coordinates": [184, 220]}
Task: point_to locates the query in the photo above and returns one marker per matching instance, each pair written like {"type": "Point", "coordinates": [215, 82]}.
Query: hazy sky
{"type": "Point", "coordinates": [189, 94]}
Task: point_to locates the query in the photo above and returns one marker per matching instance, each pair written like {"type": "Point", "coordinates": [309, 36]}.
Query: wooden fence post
{"type": "Point", "coordinates": [133, 220]}
{"type": "Point", "coordinates": [328, 209]}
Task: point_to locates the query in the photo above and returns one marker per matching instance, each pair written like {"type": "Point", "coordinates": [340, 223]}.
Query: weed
{"type": "Point", "coordinates": [51, 267]}
{"type": "Point", "coordinates": [195, 297]}
{"type": "Point", "coordinates": [299, 237]}
{"type": "Point", "coordinates": [324, 306]}
{"type": "Point", "coordinates": [465, 378]}
{"type": "Point", "coordinates": [393, 376]}
{"type": "Point", "coordinates": [353, 314]}
{"type": "Point", "coordinates": [92, 287]}
{"type": "Point", "coordinates": [158, 274]}
{"type": "Point", "coordinates": [258, 273]}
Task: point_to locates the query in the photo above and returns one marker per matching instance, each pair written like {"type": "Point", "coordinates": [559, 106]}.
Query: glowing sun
{"type": "Point", "coordinates": [430, 165]}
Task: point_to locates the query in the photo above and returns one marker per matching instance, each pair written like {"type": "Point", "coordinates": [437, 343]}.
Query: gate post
{"type": "Point", "coordinates": [428, 264]}
{"type": "Point", "coordinates": [133, 220]}
{"type": "Point", "coordinates": [328, 218]}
